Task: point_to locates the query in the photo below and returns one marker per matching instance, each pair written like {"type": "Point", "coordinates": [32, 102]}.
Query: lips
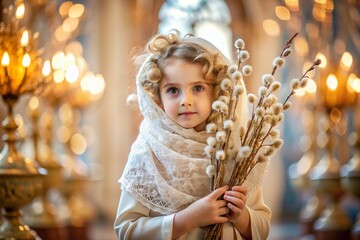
{"type": "Point", "coordinates": [186, 113]}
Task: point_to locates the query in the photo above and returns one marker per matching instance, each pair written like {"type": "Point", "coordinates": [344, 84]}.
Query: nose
{"type": "Point", "coordinates": [186, 99]}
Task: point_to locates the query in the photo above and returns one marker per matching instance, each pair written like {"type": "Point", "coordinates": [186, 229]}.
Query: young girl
{"type": "Point", "coordinates": [165, 188]}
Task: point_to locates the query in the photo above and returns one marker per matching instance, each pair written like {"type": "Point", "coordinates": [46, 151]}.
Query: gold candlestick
{"type": "Point", "coordinates": [325, 176]}
{"type": "Point", "coordinates": [20, 178]}
{"type": "Point", "coordinates": [350, 172]}
{"type": "Point", "coordinates": [41, 214]}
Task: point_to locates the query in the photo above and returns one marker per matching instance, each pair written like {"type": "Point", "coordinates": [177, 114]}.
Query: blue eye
{"type": "Point", "coordinates": [198, 88]}
{"type": "Point", "coordinates": [172, 91]}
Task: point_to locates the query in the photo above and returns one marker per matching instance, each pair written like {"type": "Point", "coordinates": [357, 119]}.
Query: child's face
{"type": "Point", "coordinates": [186, 96]}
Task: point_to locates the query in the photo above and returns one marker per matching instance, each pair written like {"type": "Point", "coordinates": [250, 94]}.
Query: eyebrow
{"type": "Point", "coordinates": [194, 83]}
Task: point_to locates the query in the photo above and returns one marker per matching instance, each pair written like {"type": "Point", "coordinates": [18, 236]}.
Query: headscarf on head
{"type": "Point", "coordinates": [166, 168]}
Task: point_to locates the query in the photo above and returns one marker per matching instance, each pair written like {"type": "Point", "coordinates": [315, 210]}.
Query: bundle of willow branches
{"type": "Point", "coordinates": [255, 142]}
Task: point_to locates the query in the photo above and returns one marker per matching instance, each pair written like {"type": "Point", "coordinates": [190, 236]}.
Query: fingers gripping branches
{"type": "Point", "coordinates": [256, 140]}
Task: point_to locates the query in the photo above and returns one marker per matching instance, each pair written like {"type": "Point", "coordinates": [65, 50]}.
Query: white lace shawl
{"type": "Point", "coordinates": [166, 168]}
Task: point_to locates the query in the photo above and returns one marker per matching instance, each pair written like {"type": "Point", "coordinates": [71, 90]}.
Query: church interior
{"type": "Point", "coordinates": [67, 69]}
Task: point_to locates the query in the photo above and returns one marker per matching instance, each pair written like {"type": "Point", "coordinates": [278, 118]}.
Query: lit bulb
{"type": "Point", "coordinates": [20, 11]}
{"type": "Point", "coordinates": [76, 11]}
{"type": "Point", "coordinates": [332, 82]}
{"type": "Point", "coordinates": [99, 85]}
{"type": "Point", "coordinates": [26, 60]}
{"type": "Point", "coordinates": [25, 38]}
{"type": "Point", "coordinates": [58, 60]}
{"type": "Point", "coordinates": [5, 60]}
{"type": "Point", "coordinates": [72, 74]}
{"type": "Point", "coordinates": [46, 68]}
{"type": "Point", "coordinates": [346, 61]}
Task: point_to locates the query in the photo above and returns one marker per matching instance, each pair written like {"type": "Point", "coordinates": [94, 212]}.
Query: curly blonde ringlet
{"type": "Point", "coordinates": [163, 47]}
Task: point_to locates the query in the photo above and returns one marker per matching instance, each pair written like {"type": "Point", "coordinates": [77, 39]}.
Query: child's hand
{"type": "Point", "coordinates": [208, 210]}
{"type": "Point", "coordinates": [236, 198]}
{"type": "Point", "coordinates": [205, 211]}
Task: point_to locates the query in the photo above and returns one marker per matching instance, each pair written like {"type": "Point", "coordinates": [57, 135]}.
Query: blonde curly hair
{"type": "Point", "coordinates": [163, 47]}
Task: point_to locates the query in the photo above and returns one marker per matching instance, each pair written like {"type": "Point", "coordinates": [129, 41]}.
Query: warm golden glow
{"type": "Point", "coordinates": [72, 73]}
{"type": "Point", "coordinates": [34, 104]}
{"type": "Point", "coordinates": [319, 13]}
{"type": "Point", "coordinates": [346, 61]}
{"type": "Point", "coordinates": [353, 83]}
{"type": "Point", "coordinates": [78, 144]}
{"type": "Point", "coordinates": [70, 60]}
{"type": "Point", "coordinates": [24, 38]}
{"type": "Point", "coordinates": [60, 34]}
{"type": "Point", "coordinates": [85, 81]}
{"type": "Point", "coordinates": [70, 24]}
{"type": "Point", "coordinates": [332, 82]}
{"type": "Point", "coordinates": [59, 75]}
{"type": "Point", "coordinates": [75, 48]}
{"type": "Point", "coordinates": [20, 11]}
{"type": "Point", "coordinates": [58, 60]}
{"type": "Point", "coordinates": [335, 115]}
{"type": "Point", "coordinates": [76, 11]}
{"type": "Point", "coordinates": [66, 114]}
{"type": "Point", "coordinates": [356, 85]}
{"type": "Point", "coordinates": [46, 68]}
{"type": "Point", "coordinates": [311, 86]}
{"type": "Point", "coordinates": [301, 46]}
{"type": "Point", "coordinates": [323, 2]}
{"type": "Point", "coordinates": [300, 92]}
{"type": "Point", "coordinates": [329, 5]}
{"type": "Point", "coordinates": [26, 61]}
{"type": "Point", "coordinates": [99, 85]}
{"type": "Point", "coordinates": [293, 5]}
{"type": "Point", "coordinates": [5, 60]}
{"type": "Point", "coordinates": [323, 60]}
{"type": "Point", "coordinates": [95, 84]}
{"type": "Point", "coordinates": [282, 13]}
{"type": "Point", "coordinates": [64, 8]}
{"type": "Point", "coordinates": [271, 27]}
{"type": "Point", "coordinates": [63, 134]}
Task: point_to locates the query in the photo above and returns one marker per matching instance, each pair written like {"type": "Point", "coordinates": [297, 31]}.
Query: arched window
{"type": "Point", "coordinates": [203, 18]}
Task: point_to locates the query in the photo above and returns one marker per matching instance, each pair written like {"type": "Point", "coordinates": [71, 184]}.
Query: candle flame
{"type": "Point", "coordinates": [58, 60]}
{"type": "Point", "coordinates": [282, 13]}
{"type": "Point", "coordinates": [34, 103]}
{"type": "Point", "coordinates": [271, 27]}
{"type": "Point", "coordinates": [356, 85]}
{"type": "Point", "coordinates": [99, 85]}
{"type": "Point", "coordinates": [293, 5]}
{"type": "Point", "coordinates": [59, 75]}
{"type": "Point", "coordinates": [5, 60]}
{"type": "Point", "coordinates": [332, 82]}
{"type": "Point", "coordinates": [20, 11]}
{"type": "Point", "coordinates": [76, 11]}
{"type": "Point", "coordinates": [46, 68]}
{"type": "Point", "coordinates": [346, 61]}
{"type": "Point", "coordinates": [72, 73]}
{"type": "Point", "coordinates": [86, 80]}
{"type": "Point", "coordinates": [353, 83]}
{"type": "Point", "coordinates": [24, 38]}
{"type": "Point", "coordinates": [26, 60]}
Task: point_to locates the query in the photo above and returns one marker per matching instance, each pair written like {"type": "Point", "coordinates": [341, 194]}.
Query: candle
{"type": "Point", "coordinates": [5, 60]}
{"type": "Point", "coordinates": [46, 68]}
{"type": "Point", "coordinates": [24, 38]}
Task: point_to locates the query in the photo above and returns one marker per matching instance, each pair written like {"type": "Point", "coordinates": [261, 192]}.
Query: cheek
{"type": "Point", "coordinates": [169, 108]}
